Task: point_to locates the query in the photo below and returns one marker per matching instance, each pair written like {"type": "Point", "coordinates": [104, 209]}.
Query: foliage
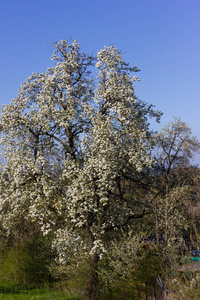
{"type": "Point", "coordinates": [27, 262]}
{"type": "Point", "coordinates": [130, 268]}
{"type": "Point", "coordinates": [81, 166]}
{"type": "Point", "coordinates": [184, 285]}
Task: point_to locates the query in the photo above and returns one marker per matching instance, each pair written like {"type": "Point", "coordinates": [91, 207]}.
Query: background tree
{"type": "Point", "coordinates": [175, 193]}
{"type": "Point", "coordinates": [175, 146]}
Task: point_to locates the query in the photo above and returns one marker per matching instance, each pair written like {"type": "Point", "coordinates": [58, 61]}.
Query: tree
{"type": "Point", "coordinates": [174, 192]}
{"type": "Point", "coordinates": [69, 143]}
{"type": "Point", "coordinates": [176, 146]}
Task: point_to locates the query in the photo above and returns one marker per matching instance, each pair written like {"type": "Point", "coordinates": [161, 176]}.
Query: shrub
{"type": "Point", "coordinates": [27, 262]}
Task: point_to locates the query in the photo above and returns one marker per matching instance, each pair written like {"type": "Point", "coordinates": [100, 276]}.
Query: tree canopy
{"type": "Point", "coordinates": [68, 139]}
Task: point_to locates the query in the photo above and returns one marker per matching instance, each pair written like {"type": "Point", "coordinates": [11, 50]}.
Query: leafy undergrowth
{"type": "Point", "coordinates": [11, 290]}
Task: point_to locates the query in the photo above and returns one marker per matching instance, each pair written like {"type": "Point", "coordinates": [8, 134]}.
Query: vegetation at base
{"type": "Point", "coordinates": [93, 202]}
{"type": "Point", "coordinates": [10, 290]}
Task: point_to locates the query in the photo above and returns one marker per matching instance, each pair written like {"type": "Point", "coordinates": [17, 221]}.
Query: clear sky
{"type": "Point", "coordinates": [161, 37]}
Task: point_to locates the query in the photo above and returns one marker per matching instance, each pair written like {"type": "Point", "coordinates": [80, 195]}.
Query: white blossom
{"type": "Point", "coordinates": [67, 139]}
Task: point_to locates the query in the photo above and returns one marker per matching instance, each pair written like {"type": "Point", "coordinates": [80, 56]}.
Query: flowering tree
{"type": "Point", "coordinates": [69, 143]}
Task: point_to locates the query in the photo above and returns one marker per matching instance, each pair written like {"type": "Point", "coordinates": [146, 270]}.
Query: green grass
{"type": "Point", "coordinates": [12, 291]}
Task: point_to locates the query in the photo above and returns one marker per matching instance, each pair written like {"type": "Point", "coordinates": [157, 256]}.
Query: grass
{"type": "Point", "coordinates": [13, 291]}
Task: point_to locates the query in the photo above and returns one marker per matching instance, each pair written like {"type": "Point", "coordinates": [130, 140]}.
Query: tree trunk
{"type": "Point", "coordinates": [92, 282]}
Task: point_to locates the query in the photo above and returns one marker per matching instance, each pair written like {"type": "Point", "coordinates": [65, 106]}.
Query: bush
{"type": "Point", "coordinates": [130, 269]}
{"type": "Point", "coordinates": [27, 262]}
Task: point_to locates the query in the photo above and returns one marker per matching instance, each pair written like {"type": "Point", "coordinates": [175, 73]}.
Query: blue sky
{"type": "Point", "coordinates": [161, 37]}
